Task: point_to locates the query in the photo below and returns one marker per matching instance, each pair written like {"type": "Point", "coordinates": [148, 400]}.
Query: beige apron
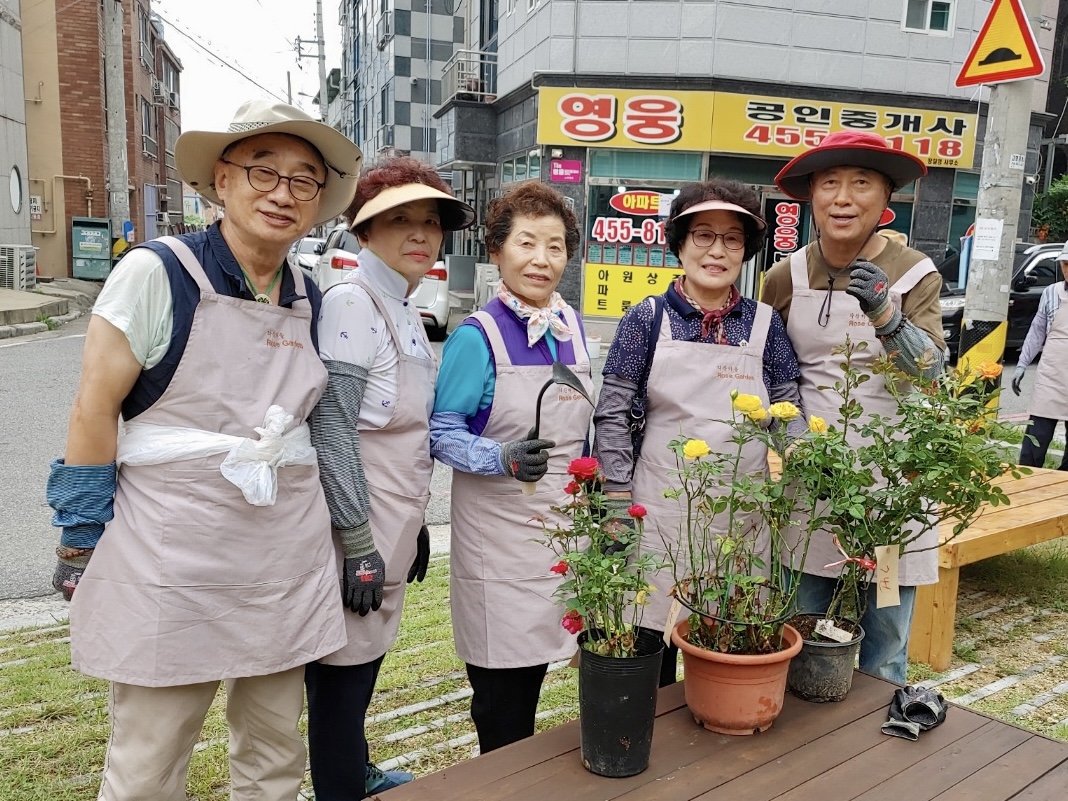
{"type": "Point", "coordinates": [503, 612]}
{"type": "Point", "coordinates": [398, 467]}
{"type": "Point", "coordinates": [813, 344]}
{"type": "Point", "coordinates": [190, 583]}
{"type": "Point", "coordinates": [690, 384]}
{"type": "Point", "coordinates": [1049, 398]}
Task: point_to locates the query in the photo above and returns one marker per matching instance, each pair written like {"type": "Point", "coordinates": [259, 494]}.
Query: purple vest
{"type": "Point", "coordinates": [514, 333]}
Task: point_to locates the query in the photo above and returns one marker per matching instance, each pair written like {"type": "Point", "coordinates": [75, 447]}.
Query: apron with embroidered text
{"type": "Point", "coordinates": [1050, 395]}
{"type": "Point", "coordinates": [190, 583]}
{"type": "Point", "coordinates": [503, 611]}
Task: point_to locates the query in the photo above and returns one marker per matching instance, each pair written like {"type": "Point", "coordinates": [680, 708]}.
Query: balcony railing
{"type": "Point", "coordinates": [470, 75]}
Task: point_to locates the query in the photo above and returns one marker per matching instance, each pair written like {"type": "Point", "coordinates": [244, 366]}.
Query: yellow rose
{"type": "Point", "coordinates": [784, 410]}
{"type": "Point", "coordinates": [695, 449]}
{"type": "Point", "coordinates": [817, 425]}
{"type": "Point", "coordinates": [989, 370]}
{"type": "Point", "coordinates": [745, 403]}
{"type": "Point", "coordinates": [641, 598]}
{"type": "Point", "coordinates": [757, 414]}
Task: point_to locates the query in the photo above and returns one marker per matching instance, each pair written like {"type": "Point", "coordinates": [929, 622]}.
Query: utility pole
{"type": "Point", "coordinates": [986, 300]}
{"type": "Point", "coordinates": [115, 97]}
{"type": "Point", "coordinates": [320, 54]}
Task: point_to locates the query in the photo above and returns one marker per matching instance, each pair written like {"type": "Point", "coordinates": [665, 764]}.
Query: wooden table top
{"type": "Point", "coordinates": [814, 752]}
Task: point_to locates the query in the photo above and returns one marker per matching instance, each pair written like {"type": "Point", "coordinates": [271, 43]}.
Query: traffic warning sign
{"type": "Point", "coordinates": [1005, 50]}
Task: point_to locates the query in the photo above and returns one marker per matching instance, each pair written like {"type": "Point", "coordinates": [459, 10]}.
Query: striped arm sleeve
{"type": "Point", "coordinates": [452, 443]}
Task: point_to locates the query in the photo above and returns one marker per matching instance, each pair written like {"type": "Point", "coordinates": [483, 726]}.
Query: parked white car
{"type": "Point", "coordinates": [431, 297]}
{"type": "Point", "coordinates": [307, 251]}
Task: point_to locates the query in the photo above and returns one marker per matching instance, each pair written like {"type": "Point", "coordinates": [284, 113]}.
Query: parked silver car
{"type": "Point", "coordinates": [431, 297]}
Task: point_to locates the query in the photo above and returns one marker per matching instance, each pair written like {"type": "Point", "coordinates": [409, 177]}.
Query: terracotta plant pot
{"type": "Point", "coordinates": [735, 693]}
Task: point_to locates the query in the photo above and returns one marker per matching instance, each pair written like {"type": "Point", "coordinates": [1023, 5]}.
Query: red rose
{"type": "Point", "coordinates": [637, 511]}
{"type": "Point", "coordinates": [584, 468]}
{"type": "Point", "coordinates": [559, 567]}
{"type": "Point", "coordinates": [572, 488]}
{"type": "Point", "coordinates": [572, 622]}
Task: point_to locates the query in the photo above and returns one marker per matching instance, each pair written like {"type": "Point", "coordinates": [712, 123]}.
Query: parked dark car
{"type": "Point", "coordinates": [1033, 269]}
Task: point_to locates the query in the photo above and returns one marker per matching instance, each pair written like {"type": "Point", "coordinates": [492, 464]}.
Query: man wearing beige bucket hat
{"type": "Point", "coordinates": [202, 509]}
{"type": "Point", "coordinates": [852, 283]}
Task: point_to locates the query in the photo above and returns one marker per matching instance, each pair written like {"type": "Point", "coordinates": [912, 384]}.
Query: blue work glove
{"type": "Point", "coordinates": [363, 582]}
{"type": "Point", "coordinates": [870, 286]}
{"type": "Point", "coordinates": [526, 459]}
{"type": "Point", "coordinates": [417, 572]}
{"type": "Point", "coordinates": [70, 565]}
{"type": "Point", "coordinates": [1017, 379]}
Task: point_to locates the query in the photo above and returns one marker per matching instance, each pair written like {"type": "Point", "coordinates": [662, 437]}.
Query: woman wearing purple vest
{"type": "Point", "coordinates": [506, 624]}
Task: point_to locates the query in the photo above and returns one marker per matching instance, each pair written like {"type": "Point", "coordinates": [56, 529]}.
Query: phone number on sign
{"type": "Point", "coordinates": [942, 152]}
{"type": "Point", "coordinates": [623, 229]}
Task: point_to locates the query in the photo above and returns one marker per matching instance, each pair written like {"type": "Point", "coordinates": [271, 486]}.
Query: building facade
{"type": "Point", "coordinates": [394, 53]}
{"type": "Point", "coordinates": [15, 209]}
{"type": "Point", "coordinates": [67, 125]}
{"type": "Point", "coordinates": [618, 103]}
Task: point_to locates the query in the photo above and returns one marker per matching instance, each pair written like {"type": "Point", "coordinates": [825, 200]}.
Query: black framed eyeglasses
{"type": "Point", "coordinates": [732, 240]}
{"type": "Point", "coordinates": [264, 179]}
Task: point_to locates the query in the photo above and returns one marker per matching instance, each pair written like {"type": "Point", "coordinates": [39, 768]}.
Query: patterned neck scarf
{"type": "Point", "coordinates": [712, 322]}
{"type": "Point", "coordinates": [538, 320]}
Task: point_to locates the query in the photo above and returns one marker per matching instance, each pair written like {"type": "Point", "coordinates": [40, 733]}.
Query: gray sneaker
{"type": "Point", "coordinates": [378, 780]}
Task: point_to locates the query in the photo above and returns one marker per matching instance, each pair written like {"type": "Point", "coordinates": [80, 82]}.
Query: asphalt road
{"type": "Point", "coordinates": [38, 379]}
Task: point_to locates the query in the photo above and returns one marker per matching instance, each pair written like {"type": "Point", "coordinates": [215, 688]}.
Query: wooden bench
{"type": "Point", "coordinates": [1037, 512]}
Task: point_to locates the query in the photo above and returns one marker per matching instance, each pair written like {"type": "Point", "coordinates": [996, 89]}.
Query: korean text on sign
{"type": "Point", "coordinates": [610, 289]}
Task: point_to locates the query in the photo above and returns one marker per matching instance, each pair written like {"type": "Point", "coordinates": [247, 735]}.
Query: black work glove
{"type": "Point", "coordinates": [70, 565]}
{"type": "Point", "coordinates": [914, 710]}
{"type": "Point", "coordinates": [618, 526]}
{"type": "Point", "coordinates": [870, 286]}
{"type": "Point", "coordinates": [526, 459]}
{"type": "Point", "coordinates": [1017, 379]}
{"type": "Point", "coordinates": [417, 572]}
{"type": "Point", "coordinates": [364, 579]}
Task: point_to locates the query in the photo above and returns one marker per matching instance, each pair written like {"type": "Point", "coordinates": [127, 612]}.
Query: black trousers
{"type": "Point", "coordinates": [669, 666]}
{"type": "Point", "coordinates": [1042, 429]}
{"type": "Point", "coordinates": [504, 703]}
{"type": "Point", "coordinates": [338, 697]}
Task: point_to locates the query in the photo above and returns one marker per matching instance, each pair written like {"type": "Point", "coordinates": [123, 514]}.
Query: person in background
{"type": "Point", "coordinates": [852, 283]}
{"type": "Point", "coordinates": [1049, 399]}
{"type": "Point", "coordinates": [210, 569]}
{"type": "Point", "coordinates": [713, 227]}
{"type": "Point", "coordinates": [506, 624]}
{"type": "Point", "coordinates": [371, 431]}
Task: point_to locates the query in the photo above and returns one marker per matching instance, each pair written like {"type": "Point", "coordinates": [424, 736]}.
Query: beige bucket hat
{"type": "Point", "coordinates": [455, 214]}
{"type": "Point", "coordinates": [196, 152]}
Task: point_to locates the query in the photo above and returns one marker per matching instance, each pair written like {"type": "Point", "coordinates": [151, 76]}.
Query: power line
{"type": "Point", "coordinates": [213, 57]}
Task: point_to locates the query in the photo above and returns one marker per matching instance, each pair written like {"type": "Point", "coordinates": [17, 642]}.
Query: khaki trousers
{"type": "Point", "coordinates": [154, 730]}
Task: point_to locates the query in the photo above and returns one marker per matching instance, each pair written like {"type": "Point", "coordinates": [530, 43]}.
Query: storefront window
{"type": "Point", "coordinates": [642, 164]}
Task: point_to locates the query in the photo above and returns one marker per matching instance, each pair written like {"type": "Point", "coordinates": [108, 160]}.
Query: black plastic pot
{"type": "Point", "coordinates": [823, 671]}
{"type": "Point", "coordinates": [617, 706]}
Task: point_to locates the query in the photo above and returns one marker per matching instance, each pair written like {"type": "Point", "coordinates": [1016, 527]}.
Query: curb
{"type": "Point", "coordinates": [25, 329]}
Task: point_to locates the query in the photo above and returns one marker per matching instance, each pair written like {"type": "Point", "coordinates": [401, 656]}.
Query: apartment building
{"type": "Point", "coordinates": [67, 124]}
{"type": "Point", "coordinates": [618, 103]}
{"type": "Point", "coordinates": [15, 211]}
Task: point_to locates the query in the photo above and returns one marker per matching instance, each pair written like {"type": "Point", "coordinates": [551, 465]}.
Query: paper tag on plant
{"type": "Point", "coordinates": [886, 576]}
{"type": "Point", "coordinates": [574, 660]}
{"type": "Point", "coordinates": [832, 632]}
{"type": "Point", "coordinates": [672, 619]}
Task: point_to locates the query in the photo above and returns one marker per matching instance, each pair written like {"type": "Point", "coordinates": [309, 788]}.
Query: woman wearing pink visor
{"type": "Point", "coordinates": [676, 344]}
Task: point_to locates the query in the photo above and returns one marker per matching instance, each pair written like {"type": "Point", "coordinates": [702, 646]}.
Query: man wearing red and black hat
{"type": "Point", "coordinates": [850, 282]}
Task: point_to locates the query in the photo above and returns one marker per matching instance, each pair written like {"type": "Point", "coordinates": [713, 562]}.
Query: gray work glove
{"type": "Point", "coordinates": [526, 459]}
{"type": "Point", "coordinates": [870, 286]}
{"type": "Point", "coordinates": [1017, 379]}
{"type": "Point", "coordinates": [70, 565]}
{"type": "Point", "coordinates": [914, 710]}
{"type": "Point", "coordinates": [364, 579]}
{"type": "Point", "coordinates": [618, 526]}
{"type": "Point", "coordinates": [417, 572]}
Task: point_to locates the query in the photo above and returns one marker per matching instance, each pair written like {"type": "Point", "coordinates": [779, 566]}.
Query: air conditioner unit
{"type": "Point", "coordinates": [162, 218]}
{"type": "Point", "coordinates": [159, 92]}
{"type": "Point", "coordinates": [172, 99]}
{"type": "Point", "coordinates": [18, 267]}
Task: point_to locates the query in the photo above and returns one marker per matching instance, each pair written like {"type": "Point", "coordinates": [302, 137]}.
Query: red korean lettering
{"type": "Point", "coordinates": [652, 119]}
{"type": "Point", "coordinates": [588, 118]}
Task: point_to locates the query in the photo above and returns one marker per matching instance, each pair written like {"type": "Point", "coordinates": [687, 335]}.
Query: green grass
{"type": "Point", "coordinates": [1039, 573]}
